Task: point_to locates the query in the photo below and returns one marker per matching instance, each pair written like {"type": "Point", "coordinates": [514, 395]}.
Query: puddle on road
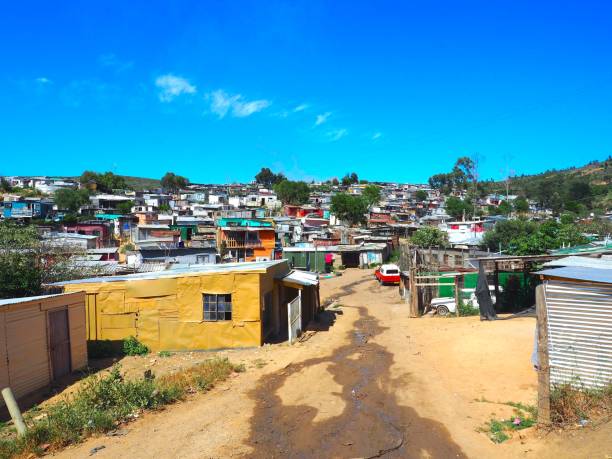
{"type": "Point", "coordinates": [372, 423]}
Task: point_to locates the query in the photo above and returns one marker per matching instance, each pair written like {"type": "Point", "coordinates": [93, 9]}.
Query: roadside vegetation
{"type": "Point", "coordinates": [500, 430]}
{"type": "Point", "coordinates": [572, 404]}
{"type": "Point", "coordinates": [103, 402]}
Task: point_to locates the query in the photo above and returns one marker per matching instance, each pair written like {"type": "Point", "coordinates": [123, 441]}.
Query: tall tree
{"type": "Point", "coordinates": [371, 193]}
{"type": "Point", "coordinates": [71, 200]}
{"type": "Point", "coordinates": [295, 193]}
{"type": "Point", "coordinates": [105, 183]}
{"type": "Point", "coordinates": [349, 208]}
{"type": "Point", "coordinates": [172, 183]}
{"type": "Point", "coordinates": [429, 236]}
{"type": "Point", "coordinates": [267, 178]}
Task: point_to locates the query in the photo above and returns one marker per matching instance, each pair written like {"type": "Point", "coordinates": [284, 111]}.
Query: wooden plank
{"type": "Point", "coordinates": [543, 360]}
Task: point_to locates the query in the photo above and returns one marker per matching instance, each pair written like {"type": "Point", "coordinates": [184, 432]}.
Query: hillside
{"type": "Point", "coordinates": [575, 189]}
{"type": "Point", "coordinates": [141, 183]}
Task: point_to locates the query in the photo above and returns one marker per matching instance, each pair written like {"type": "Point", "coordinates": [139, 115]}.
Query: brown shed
{"type": "Point", "coordinates": [42, 338]}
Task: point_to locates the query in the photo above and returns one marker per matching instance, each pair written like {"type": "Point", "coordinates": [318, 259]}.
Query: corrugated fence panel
{"type": "Point", "coordinates": [579, 332]}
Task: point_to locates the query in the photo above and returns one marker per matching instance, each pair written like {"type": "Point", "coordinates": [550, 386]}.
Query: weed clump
{"type": "Point", "coordinates": [573, 403]}
{"type": "Point", "coordinates": [105, 401]}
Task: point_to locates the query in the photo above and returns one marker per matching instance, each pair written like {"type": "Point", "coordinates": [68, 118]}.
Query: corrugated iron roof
{"type": "Point", "coordinates": [580, 273]}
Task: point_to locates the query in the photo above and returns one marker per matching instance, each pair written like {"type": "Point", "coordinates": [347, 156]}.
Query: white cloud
{"type": "Point", "coordinates": [172, 86]}
{"type": "Point", "coordinates": [43, 80]}
{"type": "Point", "coordinates": [337, 134]}
{"type": "Point", "coordinates": [300, 108]}
{"type": "Point", "coordinates": [376, 136]}
{"type": "Point", "coordinates": [322, 118]}
{"type": "Point", "coordinates": [223, 103]}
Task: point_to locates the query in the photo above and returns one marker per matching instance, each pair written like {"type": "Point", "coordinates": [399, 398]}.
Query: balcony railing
{"type": "Point", "coordinates": [239, 244]}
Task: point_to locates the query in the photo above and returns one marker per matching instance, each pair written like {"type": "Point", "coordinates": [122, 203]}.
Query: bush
{"type": "Point", "coordinates": [466, 309]}
{"type": "Point", "coordinates": [104, 402]}
{"type": "Point", "coordinates": [131, 346]}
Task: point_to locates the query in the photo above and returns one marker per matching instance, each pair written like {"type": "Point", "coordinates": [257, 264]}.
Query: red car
{"type": "Point", "coordinates": [388, 274]}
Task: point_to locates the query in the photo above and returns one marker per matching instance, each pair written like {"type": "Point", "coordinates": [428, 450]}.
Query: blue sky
{"type": "Point", "coordinates": [216, 90]}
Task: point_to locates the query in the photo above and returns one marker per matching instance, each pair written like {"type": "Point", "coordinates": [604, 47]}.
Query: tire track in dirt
{"type": "Point", "coordinates": [372, 424]}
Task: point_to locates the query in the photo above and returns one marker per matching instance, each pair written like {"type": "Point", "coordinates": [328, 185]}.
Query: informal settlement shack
{"type": "Point", "coordinates": [199, 307]}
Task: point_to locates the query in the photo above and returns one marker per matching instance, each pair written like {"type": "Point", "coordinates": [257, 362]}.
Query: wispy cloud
{"type": "Point", "coordinates": [376, 136]}
{"type": "Point", "coordinates": [222, 103]}
{"type": "Point", "coordinates": [43, 80]}
{"type": "Point", "coordinates": [337, 134]}
{"type": "Point", "coordinates": [172, 86]}
{"type": "Point", "coordinates": [112, 61]}
{"type": "Point", "coordinates": [322, 118]}
{"type": "Point", "coordinates": [300, 108]}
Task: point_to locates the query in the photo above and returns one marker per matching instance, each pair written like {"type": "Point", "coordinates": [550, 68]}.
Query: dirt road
{"type": "Point", "coordinates": [371, 383]}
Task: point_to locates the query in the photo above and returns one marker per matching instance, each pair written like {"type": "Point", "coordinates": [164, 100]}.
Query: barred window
{"type": "Point", "coordinates": [217, 307]}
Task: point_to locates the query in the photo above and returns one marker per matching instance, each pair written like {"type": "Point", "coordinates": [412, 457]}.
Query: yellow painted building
{"type": "Point", "coordinates": [199, 307]}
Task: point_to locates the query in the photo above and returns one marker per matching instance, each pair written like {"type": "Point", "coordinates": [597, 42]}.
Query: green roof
{"type": "Point", "coordinates": [242, 222]}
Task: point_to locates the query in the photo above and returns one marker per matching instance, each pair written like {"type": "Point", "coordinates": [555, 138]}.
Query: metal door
{"type": "Point", "coordinates": [60, 342]}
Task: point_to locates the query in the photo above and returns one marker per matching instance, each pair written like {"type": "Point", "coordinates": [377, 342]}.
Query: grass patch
{"type": "Point", "coordinates": [573, 403]}
{"type": "Point", "coordinates": [500, 430]}
{"type": "Point", "coordinates": [165, 354]}
{"type": "Point", "coordinates": [105, 401]}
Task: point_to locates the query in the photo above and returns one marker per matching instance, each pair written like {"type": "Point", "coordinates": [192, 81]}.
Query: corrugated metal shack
{"type": "Point", "coordinates": [42, 338]}
{"type": "Point", "coordinates": [198, 307]}
{"type": "Point", "coordinates": [578, 306]}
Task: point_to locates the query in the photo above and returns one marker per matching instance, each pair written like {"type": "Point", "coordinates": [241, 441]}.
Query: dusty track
{"type": "Point", "coordinates": [374, 384]}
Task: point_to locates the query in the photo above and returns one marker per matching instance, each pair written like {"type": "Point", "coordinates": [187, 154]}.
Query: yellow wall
{"type": "Point", "coordinates": [167, 313]}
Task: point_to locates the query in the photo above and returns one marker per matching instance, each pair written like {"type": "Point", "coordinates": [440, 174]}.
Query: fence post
{"type": "Point", "coordinates": [458, 285]}
{"type": "Point", "coordinates": [543, 362]}
{"type": "Point", "coordinates": [14, 411]}
{"type": "Point", "coordinates": [414, 294]}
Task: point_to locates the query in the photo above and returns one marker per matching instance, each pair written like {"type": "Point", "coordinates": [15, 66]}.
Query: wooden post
{"type": "Point", "coordinates": [458, 286]}
{"type": "Point", "coordinates": [414, 294]}
{"type": "Point", "coordinates": [496, 281]}
{"type": "Point", "coordinates": [543, 362]}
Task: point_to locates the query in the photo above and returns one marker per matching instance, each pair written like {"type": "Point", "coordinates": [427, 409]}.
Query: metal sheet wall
{"type": "Point", "coordinates": [579, 332]}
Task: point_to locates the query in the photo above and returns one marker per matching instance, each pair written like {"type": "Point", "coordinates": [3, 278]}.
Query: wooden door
{"type": "Point", "coordinates": [60, 342]}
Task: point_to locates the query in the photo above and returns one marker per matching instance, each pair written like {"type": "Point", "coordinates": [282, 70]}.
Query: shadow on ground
{"type": "Point", "coordinates": [372, 423]}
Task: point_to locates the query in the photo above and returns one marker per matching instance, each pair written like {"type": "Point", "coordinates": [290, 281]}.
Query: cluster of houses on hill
{"type": "Point", "coordinates": [232, 223]}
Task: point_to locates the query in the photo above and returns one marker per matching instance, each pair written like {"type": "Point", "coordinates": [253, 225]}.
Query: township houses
{"type": "Point", "coordinates": [246, 239]}
{"type": "Point", "coordinates": [199, 307]}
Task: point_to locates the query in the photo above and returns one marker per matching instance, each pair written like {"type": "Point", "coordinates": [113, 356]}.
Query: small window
{"type": "Point", "coordinates": [217, 307]}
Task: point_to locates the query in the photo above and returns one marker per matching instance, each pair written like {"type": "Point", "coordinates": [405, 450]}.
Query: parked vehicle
{"type": "Point", "coordinates": [446, 305]}
{"type": "Point", "coordinates": [388, 274]}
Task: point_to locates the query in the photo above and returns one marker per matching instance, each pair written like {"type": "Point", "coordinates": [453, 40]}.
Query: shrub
{"type": "Point", "coordinates": [466, 309]}
{"type": "Point", "coordinates": [131, 346]}
{"type": "Point", "coordinates": [104, 402]}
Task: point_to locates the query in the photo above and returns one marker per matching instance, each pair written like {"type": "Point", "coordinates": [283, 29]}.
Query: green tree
{"type": "Point", "coordinates": [421, 195]}
{"type": "Point", "coordinates": [371, 193]}
{"type": "Point", "coordinates": [5, 186]}
{"type": "Point", "coordinates": [71, 200]}
{"type": "Point", "coordinates": [125, 207]}
{"type": "Point", "coordinates": [267, 178]}
{"type": "Point", "coordinates": [173, 183]}
{"type": "Point", "coordinates": [349, 208]}
{"type": "Point", "coordinates": [429, 236]}
{"type": "Point", "coordinates": [27, 262]}
{"type": "Point", "coordinates": [456, 208]}
{"type": "Point", "coordinates": [295, 193]}
{"type": "Point", "coordinates": [104, 183]}
{"type": "Point", "coordinates": [504, 208]}
{"type": "Point", "coordinates": [521, 205]}
{"type": "Point", "coordinates": [349, 179]}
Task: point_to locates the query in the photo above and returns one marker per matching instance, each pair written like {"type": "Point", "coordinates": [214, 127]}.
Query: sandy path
{"type": "Point", "coordinates": [376, 383]}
